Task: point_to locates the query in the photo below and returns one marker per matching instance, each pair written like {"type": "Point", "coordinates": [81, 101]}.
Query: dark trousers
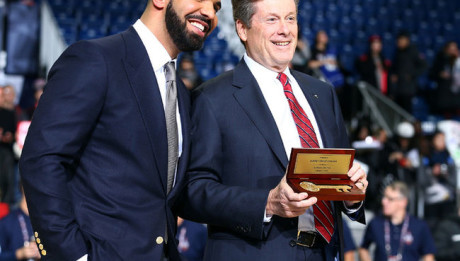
{"type": "Point", "coordinates": [310, 254]}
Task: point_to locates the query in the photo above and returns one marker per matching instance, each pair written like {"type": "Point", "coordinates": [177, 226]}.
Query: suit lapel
{"type": "Point", "coordinates": [145, 87]}
{"type": "Point", "coordinates": [253, 103]}
{"type": "Point", "coordinates": [311, 92]}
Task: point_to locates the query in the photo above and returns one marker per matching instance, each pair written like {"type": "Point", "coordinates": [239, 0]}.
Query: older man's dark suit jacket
{"type": "Point", "coordinates": [94, 165]}
{"type": "Point", "coordinates": [237, 156]}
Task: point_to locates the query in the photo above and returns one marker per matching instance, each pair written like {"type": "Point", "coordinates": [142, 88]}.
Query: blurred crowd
{"type": "Point", "coordinates": [395, 77]}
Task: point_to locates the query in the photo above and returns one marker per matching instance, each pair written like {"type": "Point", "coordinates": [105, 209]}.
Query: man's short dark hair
{"type": "Point", "coordinates": [403, 34]}
{"type": "Point", "coordinates": [243, 10]}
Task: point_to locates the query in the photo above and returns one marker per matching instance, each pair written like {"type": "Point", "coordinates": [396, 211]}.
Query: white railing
{"type": "Point", "coordinates": [52, 43]}
{"type": "Point", "coordinates": [227, 28]}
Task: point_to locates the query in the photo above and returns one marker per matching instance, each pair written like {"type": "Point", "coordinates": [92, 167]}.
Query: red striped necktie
{"type": "Point", "coordinates": [322, 210]}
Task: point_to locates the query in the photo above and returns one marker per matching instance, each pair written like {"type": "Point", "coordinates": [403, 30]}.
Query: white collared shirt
{"type": "Point", "coordinates": [273, 92]}
{"type": "Point", "coordinates": [158, 58]}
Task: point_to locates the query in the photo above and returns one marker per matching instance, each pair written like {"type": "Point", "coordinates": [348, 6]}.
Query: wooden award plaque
{"type": "Point", "coordinates": [322, 173]}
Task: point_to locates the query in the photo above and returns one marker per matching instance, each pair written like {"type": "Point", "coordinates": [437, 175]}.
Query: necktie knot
{"type": "Point", "coordinates": [282, 77]}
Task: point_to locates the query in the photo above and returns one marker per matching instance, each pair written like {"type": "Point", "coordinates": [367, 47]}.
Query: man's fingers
{"type": "Point", "coordinates": [356, 166]}
{"type": "Point", "coordinates": [301, 205]}
{"type": "Point", "coordinates": [295, 197]}
{"type": "Point", "coordinates": [362, 184]}
{"type": "Point", "coordinates": [356, 174]}
{"type": "Point", "coordinates": [295, 209]}
{"type": "Point", "coordinates": [289, 193]}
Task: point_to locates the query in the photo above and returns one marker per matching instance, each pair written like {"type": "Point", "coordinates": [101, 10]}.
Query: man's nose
{"type": "Point", "coordinates": [208, 9]}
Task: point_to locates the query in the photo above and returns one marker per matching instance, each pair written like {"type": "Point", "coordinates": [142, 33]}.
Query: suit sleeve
{"type": "Point", "coordinates": [61, 126]}
{"type": "Point", "coordinates": [206, 199]}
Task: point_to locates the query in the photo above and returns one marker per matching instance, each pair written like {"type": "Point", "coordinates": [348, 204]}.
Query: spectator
{"type": "Point", "coordinates": [441, 180]}
{"type": "Point", "coordinates": [397, 235]}
{"type": "Point", "coordinates": [406, 68]}
{"type": "Point", "coordinates": [447, 238]}
{"type": "Point", "coordinates": [349, 246]}
{"type": "Point", "coordinates": [9, 96]}
{"type": "Point", "coordinates": [7, 130]}
{"type": "Point", "coordinates": [4, 209]}
{"type": "Point", "coordinates": [192, 239]}
{"type": "Point", "coordinates": [323, 63]}
{"type": "Point", "coordinates": [376, 157]}
{"type": "Point", "coordinates": [302, 54]}
{"type": "Point", "coordinates": [188, 73]}
{"type": "Point", "coordinates": [446, 95]}
{"type": "Point", "coordinates": [373, 67]}
{"type": "Point", "coordinates": [7, 116]}
{"type": "Point", "coordinates": [26, 114]}
{"type": "Point", "coordinates": [404, 158]}
{"type": "Point", "coordinates": [16, 235]}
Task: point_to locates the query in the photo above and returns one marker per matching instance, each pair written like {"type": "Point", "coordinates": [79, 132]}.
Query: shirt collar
{"type": "Point", "coordinates": [156, 51]}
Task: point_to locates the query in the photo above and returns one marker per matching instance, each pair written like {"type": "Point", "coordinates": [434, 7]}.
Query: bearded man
{"type": "Point", "coordinates": [109, 141]}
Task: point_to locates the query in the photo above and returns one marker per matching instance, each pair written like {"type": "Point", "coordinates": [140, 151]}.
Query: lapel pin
{"type": "Point", "coordinates": [316, 96]}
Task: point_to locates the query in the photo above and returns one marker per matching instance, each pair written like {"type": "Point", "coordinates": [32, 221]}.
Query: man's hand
{"type": "Point", "coordinates": [359, 177]}
{"type": "Point", "coordinates": [29, 251]}
{"type": "Point", "coordinates": [284, 202]}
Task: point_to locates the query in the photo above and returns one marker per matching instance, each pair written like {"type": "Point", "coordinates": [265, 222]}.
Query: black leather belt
{"type": "Point", "coordinates": [310, 239]}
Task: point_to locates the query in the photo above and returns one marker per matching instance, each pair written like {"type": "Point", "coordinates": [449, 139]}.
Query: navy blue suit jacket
{"type": "Point", "coordinates": [94, 164]}
{"type": "Point", "coordinates": [237, 156]}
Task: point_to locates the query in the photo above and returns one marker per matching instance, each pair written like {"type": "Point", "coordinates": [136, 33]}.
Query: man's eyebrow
{"type": "Point", "coordinates": [278, 15]}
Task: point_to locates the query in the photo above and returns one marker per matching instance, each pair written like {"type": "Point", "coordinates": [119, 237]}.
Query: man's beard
{"type": "Point", "coordinates": [177, 29]}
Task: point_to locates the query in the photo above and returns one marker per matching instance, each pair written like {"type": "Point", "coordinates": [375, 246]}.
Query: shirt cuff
{"type": "Point", "coordinates": [83, 258]}
{"type": "Point", "coordinates": [267, 218]}
{"type": "Point", "coordinates": [353, 208]}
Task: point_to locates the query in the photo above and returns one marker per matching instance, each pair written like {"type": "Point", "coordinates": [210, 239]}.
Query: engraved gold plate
{"type": "Point", "coordinates": [322, 173]}
{"type": "Point", "coordinates": [320, 163]}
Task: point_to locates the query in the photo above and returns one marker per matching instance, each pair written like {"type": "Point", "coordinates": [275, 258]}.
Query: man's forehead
{"type": "Point", "coordinates": [263, 6]}
{"type": "Point", "coordinates": [390, 190]}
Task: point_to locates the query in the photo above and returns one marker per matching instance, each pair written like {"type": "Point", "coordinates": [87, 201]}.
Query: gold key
{"type": "Point", "coordinates": [315, 188]}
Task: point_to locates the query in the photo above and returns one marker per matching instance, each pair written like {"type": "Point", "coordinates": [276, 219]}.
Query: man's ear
{"type": "Point", "coordinates": [160, 4]}
{"type": "Point", "coordinates": [242, 30]}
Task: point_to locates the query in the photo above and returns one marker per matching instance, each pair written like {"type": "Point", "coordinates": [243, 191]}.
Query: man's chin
{"type": "Point", "coordinates": [188, 46]}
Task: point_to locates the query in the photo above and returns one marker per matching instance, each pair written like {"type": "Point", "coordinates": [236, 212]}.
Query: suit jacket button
{"type": "Point", "coordinates": [40, 246]}
{"type": "Point", "coordinates": [159, 240]}
{"type": "Point", "coordinates": [43, 252]}
{"type": "Point", "coordinates": [292, 243]}
{"type": "Point", "coordinates": [38, 240]}
{"type": "Point", "coordinates": [36, 234]}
